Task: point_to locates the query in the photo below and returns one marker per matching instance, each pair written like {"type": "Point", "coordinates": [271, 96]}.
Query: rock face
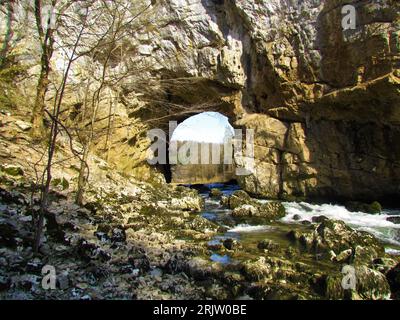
{"type": "Point", "coordinates": [323, 102]}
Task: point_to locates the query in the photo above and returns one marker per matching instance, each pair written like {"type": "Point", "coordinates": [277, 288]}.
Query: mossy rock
{"type": "Point", "coordinates": [255, 270]}
{"type": "Point", "coordinates": [60, 182]}
{"type": "Point", "coordinates": [394, 219]}
{"type": "Point", "coordinates": [369, 285]}
{"type": "Point", "coordinates": [272, 210]}
{"type": "Point", "coordinates": [267, 244]}
{"type": "Point", "coordinates": [149, 210]}
{"type": "Point", "coordinates": [12, 170]}
{"type": "Point", "coordinates": [375, 207]}
{"type": "Point", "coordinates": [372, 208]}
{"type": "Point", "coordinates": [225, 201]}
{"type": "Point", "coordinates": [215, 193]}
{"type": "Point", "coordinates": [239, 198]}
{"type": "Point", "coordinates": [336, 236]}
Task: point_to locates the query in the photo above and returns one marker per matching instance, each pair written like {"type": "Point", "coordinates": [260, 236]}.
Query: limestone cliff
{"type": "Point", "coordinates": [324, 102]}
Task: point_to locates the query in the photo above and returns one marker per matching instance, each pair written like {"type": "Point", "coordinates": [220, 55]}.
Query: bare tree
{"type": "Point", "coordinates": [46, 39]}
{"type": "Point", "coordinates": [122, 21]}
{"type": "Point", "coordinates": [55, 124]}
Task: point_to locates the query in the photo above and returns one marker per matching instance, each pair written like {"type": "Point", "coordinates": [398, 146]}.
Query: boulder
{"type": "Point", "coordinates": [369, 285]}
{"type": "Point", "coordinates": [225, 201]}
{"type": "Point", "coordinates": [215, 193]}
{"type": "Point", "coordinates": [268, 245]}
{"type": "Point", "coordinates": [245, 206]}
{"type": "Point", "coordinates": [334, 235]}
{"type": "Point", "coordinates": [394, 219]}
{"type": "Point", "coordinates": [231, 244]}
{"type": "Point", "coordinates": [373, 208]}
{"type": "Point", "coordinates": [187, 203]}
{"type": "Point", "coordinates": [256, 270]}
{"type": "Point", "coordinates": [239, 198]}
{"type": "Point", "coordinates": [272, 210]}
{"type": "Point", "coordinates": [245, 210]}
{"type": "Point", "coordinates": [393, 277]}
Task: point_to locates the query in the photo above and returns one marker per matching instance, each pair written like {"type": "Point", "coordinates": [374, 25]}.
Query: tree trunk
{"type": "Point", "coordinates": [38, 108]}
{"type": "Point", "coordinates": [82, 176]}
{"type": "Point", "coordinates": [47, 43]}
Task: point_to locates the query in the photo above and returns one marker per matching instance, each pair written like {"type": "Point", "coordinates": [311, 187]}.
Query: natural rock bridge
{"type": "Point", "coordinates": [204, 141]}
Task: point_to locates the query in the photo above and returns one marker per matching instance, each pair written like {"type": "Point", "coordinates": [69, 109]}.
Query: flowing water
{"type": "Point", "coordinates": [252, 230]}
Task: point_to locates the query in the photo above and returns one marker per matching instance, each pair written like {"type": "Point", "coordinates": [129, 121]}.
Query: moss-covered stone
{"type": "Point", "coordinates": [215, 193]}
{"type": "Point", "coordinates": [373, 208]}
{"type": "Point", "coordinates": [12, 170]}
{"type": "Point", "coordinates": [272, 210]}
{"type": "Point", "coordinates": [239, 198]}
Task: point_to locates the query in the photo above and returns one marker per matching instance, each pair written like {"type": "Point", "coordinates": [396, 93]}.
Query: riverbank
{"type": "Point", "coordinates": [151, 240]}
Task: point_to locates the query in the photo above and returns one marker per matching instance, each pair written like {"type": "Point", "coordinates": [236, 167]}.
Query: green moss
{"type": "Point", "coordinates": [12, 170]}
{"type": "Point", "coordinates": [63, 183]}
{"type": "Point", "coordinates": [215, 193]}
{"type": "Point", "coordinates": [373, 208]}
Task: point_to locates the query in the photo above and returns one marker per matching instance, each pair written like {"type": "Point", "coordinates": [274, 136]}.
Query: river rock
{"type": "Point", "coordinates": [268, 245]}
{"type": "Point", "coordinates": [225, 201]}
{"type": "Point", "coordinates": [243, 205]}
{"type": "Point", "coordinates": [215, 193]}
{"type": "Point", "coordinates": [272, 210]}
{"type": "Point", "coordinates": [370, 285]}
{"type": "Point", "coordinates": [296, 217]}
{"type": "Point", "coordinates": [245, 210]}
{"type": "Point", "coordinates": [231, 244]}
{"type": "Point", "coordinates": [335, 235]}
{"type": "Point", "coordinates": [319, 219]}
{"type": "Point", "coordinates": [187, 203]}
{"type": "Point", "coordinates": [239, 198]}
{"type": "Point", "coordinates": [393, 277]}
{"type": "Point", "coordinates": [394, 219]}
{"type": "Point", "coordinates": [256, 270]}
{"type": "Point", "coordinates": [372, 208]}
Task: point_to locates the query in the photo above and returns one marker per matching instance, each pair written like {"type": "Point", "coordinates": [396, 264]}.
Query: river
{"type": "Point", "coordinates": [298, 214]}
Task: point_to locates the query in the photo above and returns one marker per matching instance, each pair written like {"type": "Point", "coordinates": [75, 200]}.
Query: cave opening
{"type": "Point", "coordinates": [200, 151]}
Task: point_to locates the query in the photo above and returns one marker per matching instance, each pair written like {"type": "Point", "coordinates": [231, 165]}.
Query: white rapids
{"type": "Point", "coordinates": [242, 228]}
{"type": "Point", "coordinates": [375, 224]}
